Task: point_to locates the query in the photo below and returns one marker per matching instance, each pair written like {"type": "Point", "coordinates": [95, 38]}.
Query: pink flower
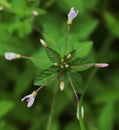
{"type": "Point", "coordinates": [30, 98]}
{"type": "Point", "coordinates": [11, 55]}
{"type": "Point", "coordinates": [71, 15]}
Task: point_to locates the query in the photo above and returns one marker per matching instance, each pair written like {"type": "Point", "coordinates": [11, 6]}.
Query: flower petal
{"type": "Point", "coordinates": [72, 14]}
{"type": "Point", "coordinates": [10, 55]}
{"type": "Point", "coordinates": [28, 96]}
{"type": "Point", "coordinates": [30, 101]}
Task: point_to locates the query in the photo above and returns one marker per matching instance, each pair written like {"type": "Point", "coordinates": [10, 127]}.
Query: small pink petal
{"type": "Point", "coordinates": [72, 14]}
{"type": "Point", "coordinates": [101, 65]}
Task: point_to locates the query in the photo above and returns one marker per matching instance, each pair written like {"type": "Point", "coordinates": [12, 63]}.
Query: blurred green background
{"type": "Point", "coordinates": [20, 32]}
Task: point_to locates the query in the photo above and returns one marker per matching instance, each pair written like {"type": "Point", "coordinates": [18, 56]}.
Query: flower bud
{"type": "Point", "coordinates": [71, 15]}
{"type": "Point", "coordinates": [35, 13]}
{"type": "Point", "coordinates": [68, 56]}
{"type": "Point", "coordinates": [66, 66]}
{"type": "Point", "coordinates": [61, 85]}
{"type": "Point", "coordinates": [55, 64]}
{"type": "Point", "coordinates": [43, 43]}
{"type": "Point", "coordinates": [101, 65]}
{"type": "Point", "coordinates": [11, 56]}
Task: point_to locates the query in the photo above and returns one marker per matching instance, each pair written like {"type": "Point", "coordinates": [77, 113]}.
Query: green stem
{"type": "Point", "coordinates": [51, 111]}
{"type": "Point", "coordinates": [33, 58]}
{"type": "Point", "coordinates": [67, 38]}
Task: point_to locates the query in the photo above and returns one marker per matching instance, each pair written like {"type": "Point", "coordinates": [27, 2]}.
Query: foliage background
{"type": "Point", "coordinates": [19, 32]}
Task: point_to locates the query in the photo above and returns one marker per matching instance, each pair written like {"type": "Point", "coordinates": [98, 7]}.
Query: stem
{"type": "Point", "coordinates": [67, 37]}
{"type": "Point", "coordinates": [73, 89]}
{"type": "Point", "coordinates": [81, 122]}
{"type": "Point", "coordinates": [51, 111]}
{"type": "Point", "coordinates": [39, 89]}
{"type": "Point", "coordinates": [32, 58]}
{"type": "Point", "coordinates": [45, 83]}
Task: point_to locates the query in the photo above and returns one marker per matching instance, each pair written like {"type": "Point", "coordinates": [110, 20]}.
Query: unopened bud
{"type": "Point", "coordinates": [62, 66]}
{"type": "Point", "coordinates": [43, 43]}
{"type": "Point", "coordinates": [68, 56]}
{"type": "Point", "coordinates": [66, 66]}
{"type": "Point", "coordinates": [101, 65]}
{"type": "Point", "coordinates": [35, 13]}
{"type": "Point", "coordinates": [61, 85]}
{"type": "Point", "coordinates": [55, 64]}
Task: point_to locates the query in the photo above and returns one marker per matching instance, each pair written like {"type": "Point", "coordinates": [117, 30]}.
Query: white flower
{"type": "Point", "coordinates": [101, 65]}
{"type": "Point", "coordinates": [30, 98]}
{"type": "Point", "coordinates": [82, 112]}
{"type": "Point", "coordinates": [71, 15]}
{"type": "Point", "coordinates": [11, 55]}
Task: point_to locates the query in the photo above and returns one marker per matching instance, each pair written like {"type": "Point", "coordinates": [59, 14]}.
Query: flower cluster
{"type": "Point", "coordinates": [66, 68]}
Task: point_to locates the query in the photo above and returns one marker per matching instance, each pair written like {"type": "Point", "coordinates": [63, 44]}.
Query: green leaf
{"type": "Point", "coordinates": [53, 55]}
{"type": "Point", "coordinates": [5, 107]}
{"type": "Point", "coordinates": [81, 64]}
{"type": "Point", "coordinates": [83, 48]}
{"type": "Point", "coordinates": [112, 23]}
{"type": "Point", "coordinates": [106, 118]}
{"type": "Point", "coordinates": [44, 75]}
{"type": "Point", "coordinates": [77, 81]}
{"type": "Point", "coordinates": [85, 28]}
{"type": "Point", "coordinates": [43, 61]}
{"type": "Point", "coordinates": [14, 44]}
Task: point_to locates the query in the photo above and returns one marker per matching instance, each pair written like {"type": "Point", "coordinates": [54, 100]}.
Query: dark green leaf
{"type": "Point", "coordinates": [53, 55]}
{"type": "Point", "coordinates": [77, 81]}
{"type": "Point", "coordinates": [81, 64]}
{"type": "Point", "coordinates": [112, 24]}
{"type": "Point", "coordinates": [44, 75]}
